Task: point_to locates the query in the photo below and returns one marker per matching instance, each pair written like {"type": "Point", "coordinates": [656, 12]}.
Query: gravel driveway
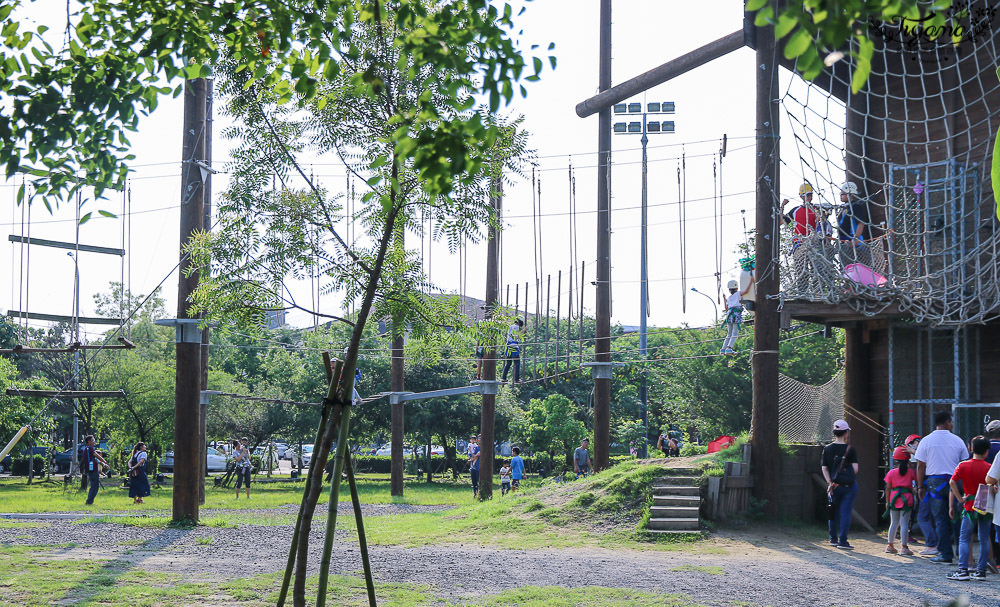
{"type": "Point", "coordinates": [759, 566]}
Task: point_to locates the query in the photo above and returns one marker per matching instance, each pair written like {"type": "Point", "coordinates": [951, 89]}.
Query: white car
{"type": "Point", "coordinates": [215, 461]}
{"type": "Point", "coordinates": [386, 450]}
{"type": "Point", "coordinates": [307, 452]}
{"type": "Point", "coordinates": [435, 450]}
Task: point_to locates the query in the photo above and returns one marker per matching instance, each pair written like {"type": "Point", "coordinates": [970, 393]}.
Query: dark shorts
{"type": "Point", "coordinates": [515, 483]}
{"type": "Point", "coordinates": [584, 469]}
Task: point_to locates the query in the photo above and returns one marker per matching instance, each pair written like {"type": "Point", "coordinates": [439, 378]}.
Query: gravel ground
{"type": "Point", "coordinates": [762, 566]}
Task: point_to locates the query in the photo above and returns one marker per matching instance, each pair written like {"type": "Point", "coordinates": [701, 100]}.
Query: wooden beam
{"type": "Point", "coordinates": [58, 244]}
{"type": "Point", "coordinates": [83, 320]}
{"type": "Point", "coordinates": [660, 74]}
{"type": "Point", "coordinates": [65, 393]}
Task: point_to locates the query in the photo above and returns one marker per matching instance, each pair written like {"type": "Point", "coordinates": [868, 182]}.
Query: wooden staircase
{"type": "Point", "coordinates": [676, 503]}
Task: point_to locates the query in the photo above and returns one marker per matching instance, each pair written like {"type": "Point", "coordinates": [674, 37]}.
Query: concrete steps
{"type": "Point", "coordinates": [676, 503]}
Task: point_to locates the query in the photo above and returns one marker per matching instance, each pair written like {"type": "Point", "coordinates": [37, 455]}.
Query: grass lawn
{"type": "Point", "coordinates": [17, 496]}
{"type": "Point", "coordinates": [32, 576]}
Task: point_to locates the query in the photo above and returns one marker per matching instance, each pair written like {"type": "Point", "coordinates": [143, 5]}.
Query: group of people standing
{"type": "Point", "coordinates": [511, 472]}
{"type": "Point", "coordinates": [812, 231]}
{"type": "Point", "coordinates": [945, 481]}
{"type": "Point", "coordinates": [92, 463]}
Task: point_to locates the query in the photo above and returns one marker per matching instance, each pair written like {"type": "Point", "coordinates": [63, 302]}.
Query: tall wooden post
{"type": "Point", "coordinates": [764, 438]}
{"type": "Point", "coordinates": [189, 458]}
{"type": "Point", "coordinates": [207, 226]}
{"type": "Point", "coordinates": [490, 360]}
{"type": "Point", "coordinates": [602, 346]}
{"type": "Point", "coordinates": [397, 385]}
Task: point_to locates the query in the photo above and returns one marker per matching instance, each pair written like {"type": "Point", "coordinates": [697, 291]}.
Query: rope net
{"type": "Point", "coordinates": [806, 413]}
{"type": "Point", "coordinates": [916, 144]}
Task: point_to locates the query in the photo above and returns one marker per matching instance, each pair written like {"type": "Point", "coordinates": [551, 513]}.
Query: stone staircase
{"type": "Point", "coordinates": [676, 503]}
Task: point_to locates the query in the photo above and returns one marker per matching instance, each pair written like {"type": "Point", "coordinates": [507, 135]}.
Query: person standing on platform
{"type": "Point", "coordinates": [852, 228]}
{"type": "Point", "coordinates": [938, 455]}
{"type": "Point", "coordinates": [513, 350]}
{"type": "Point", "coordinates": [805, 219]}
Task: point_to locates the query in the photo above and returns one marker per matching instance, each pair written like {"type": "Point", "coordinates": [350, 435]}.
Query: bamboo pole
{"type": "Point", "coordinates": [362, 538]}
{"type": "Point", "coordinates": [558, 317]}
{"type": "Point", "coordinates": [293, 549]}
{"type": "Point", "coordinates": [331, 519]}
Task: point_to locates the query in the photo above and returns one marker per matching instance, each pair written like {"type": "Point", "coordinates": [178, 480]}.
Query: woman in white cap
{"type": "Point", "coordinates": [840, 469]}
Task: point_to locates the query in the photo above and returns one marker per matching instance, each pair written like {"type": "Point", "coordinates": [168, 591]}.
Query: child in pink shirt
{"type": "Point", "coordinates": [900, 489]}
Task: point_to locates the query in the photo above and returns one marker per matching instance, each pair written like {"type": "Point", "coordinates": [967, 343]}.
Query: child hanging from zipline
{"type": "Point", "coordinates": [734, 318]}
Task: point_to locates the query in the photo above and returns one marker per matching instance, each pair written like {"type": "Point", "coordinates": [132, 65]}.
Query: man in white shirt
{"type": "Point", "coordinates": [937, 457]}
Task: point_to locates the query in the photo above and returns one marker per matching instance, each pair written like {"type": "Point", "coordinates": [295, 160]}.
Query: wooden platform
{"type": "Point", "coordinates": [839, 315]}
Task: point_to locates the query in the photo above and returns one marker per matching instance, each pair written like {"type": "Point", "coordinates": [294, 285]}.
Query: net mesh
{"type": "Point", "coordinates": [805, 412]}
{"type": "Point", "coordinates": [917, 142]}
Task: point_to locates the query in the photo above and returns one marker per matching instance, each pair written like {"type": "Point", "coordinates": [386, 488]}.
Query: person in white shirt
{"type": "Point", "coordinates": [938, 454]}
{"type": "Point", "coordinates": [734, 318]}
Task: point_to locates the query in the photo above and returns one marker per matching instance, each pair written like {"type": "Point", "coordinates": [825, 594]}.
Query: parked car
{"type": "Point", "coordinates": [435, 450]}
{"type": "Point", "coordinates": [63, 459]}
{"type": "Point", "coordinates": [386, 450]}
{"type": "Point", "coordinates": [307, 451]}
{"type": "Point", "coordinates": [215, 461]}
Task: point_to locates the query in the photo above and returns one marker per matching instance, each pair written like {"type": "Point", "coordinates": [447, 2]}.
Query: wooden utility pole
{"type": "Point", "coordinates": [189, 457]}
{"type": "Point", "coordinates": [490, 360]}
{"type": "Point", "coordinates": [602, 345]}
{"type": "Point", "coordinates": [397, 385]}
{"type": "Point", "coordinates": [765, 462]}
{"type": "Point", "coordinates": [206, 226]}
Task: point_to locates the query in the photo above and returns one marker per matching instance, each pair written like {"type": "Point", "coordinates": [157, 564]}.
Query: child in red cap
{"type": "Point", "coordinates": [900, 491]}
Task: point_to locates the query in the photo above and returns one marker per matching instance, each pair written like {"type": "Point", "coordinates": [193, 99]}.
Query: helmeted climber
{"type": "Point", "coordinates": [734, 318]}
{"type": "Point", "coordinates": [851, 227]}
{"type": "Point", "coordinates": [806, 224]}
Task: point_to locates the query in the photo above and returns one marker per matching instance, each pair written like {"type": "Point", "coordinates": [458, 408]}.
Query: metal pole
{"type": "Point", "coordinates": [75, 465]}
{"type": "Point", "coordinates": [188, 455]}
{"type": "Point", "coordinates": [892, 379]}
{"type": "Point", "coordinates": [602, 346]}
{"type": "Point", "coordinates": [711, 299]}
{"type": "Point", "coordinates": [764, 423]}
{"type": "Point", "coordinates": [643, 294]}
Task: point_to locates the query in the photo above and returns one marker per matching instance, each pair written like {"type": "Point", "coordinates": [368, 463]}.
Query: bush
{"type": "Point", "coordinates": [19, 465]}
{"type": "Point", "coordinates": [692, 449]}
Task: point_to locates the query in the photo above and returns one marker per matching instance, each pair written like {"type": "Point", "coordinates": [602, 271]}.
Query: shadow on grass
{"type": "Point", "coordinates": [107, 575]}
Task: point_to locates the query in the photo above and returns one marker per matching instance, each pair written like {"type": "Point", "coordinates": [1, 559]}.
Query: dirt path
{"type": "Point", "coordinates": [758, 566]}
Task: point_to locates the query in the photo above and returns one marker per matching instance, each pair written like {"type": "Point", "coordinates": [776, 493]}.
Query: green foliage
{"type": "Point", "coordinates": [813, 30]}
{"type": "Point", "coordinates": [77, 103]}
{"type": "Point", "coordinates": [550, 426]}
{"type": "Point", "coordinates": [690, 449]}
{"type": "Point", "coordinates": [19, 465]}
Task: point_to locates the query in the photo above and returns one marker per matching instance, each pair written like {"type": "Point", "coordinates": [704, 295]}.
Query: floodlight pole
{"type": "Point", "coordinates": [643, 296]}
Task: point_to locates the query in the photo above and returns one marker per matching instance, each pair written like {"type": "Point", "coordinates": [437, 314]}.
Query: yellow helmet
{"type": "Point", "coordinates": [805, 188]}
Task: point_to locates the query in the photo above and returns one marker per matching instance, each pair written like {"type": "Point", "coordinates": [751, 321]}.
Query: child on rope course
{"type": "Point", "coordinates": [854, 218]}
{"type": "Point", "coordinates": [901, 491]}
{"type": "Point", "coordinates": [805, 219]}
{"type": "Point", "coordinates": [512, 352]}
{"type": "Point", "coordinates": [734, 318]}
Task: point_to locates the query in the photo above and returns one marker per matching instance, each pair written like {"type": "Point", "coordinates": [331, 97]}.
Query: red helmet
{"type": "Point", "coordinates": [900, 454]}
{"type": "Point", "coordinates": [911, 438]}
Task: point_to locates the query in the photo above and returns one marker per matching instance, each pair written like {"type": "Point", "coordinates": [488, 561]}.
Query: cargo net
{"type": "Point", "coordinates": [916, 142]}
{"type": "Point", "coordinates": [806, 413]}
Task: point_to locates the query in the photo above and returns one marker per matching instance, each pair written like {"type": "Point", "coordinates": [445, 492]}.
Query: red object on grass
{"type": "Point", "coordinates": [723, 442]}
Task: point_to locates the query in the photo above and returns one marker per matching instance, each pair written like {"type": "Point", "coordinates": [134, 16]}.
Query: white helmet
{"type": "Point", "coordinates": [733, 284]}
{"type": "Point", "coordinates": [849, 187]}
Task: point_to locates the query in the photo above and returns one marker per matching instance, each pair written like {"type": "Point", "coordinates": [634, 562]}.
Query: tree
{"type": "Point", "coordinates": [550, 427]}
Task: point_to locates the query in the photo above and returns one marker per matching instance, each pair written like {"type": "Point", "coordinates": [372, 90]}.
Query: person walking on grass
{"type": "Point", "coordinates": [138, 479]}
{"type": "Point", "coordinates": [901, 492]}
{"type": "Point", "coordinates": [840, 469]}
{"type": "Point", "coordinates": [92, 462]}
{"type": "Point", "coordinates": [243, 466]}
{"type": "Point", "coordinates": [473, 453]}
{"type": "Point", "coordinates": [581, 459]}
{"type": "Point", "coordinates": [938, 455]}
{"type": "Point", "coordinates": [516, 469]}
{"type": "Point", "coordinates": [504, 478]}
{"type": "Point", "coordinates": [964, 484]}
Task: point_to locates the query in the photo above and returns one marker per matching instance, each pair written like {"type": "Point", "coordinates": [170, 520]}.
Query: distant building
{"type": "Point", "coordinates": [275, 319]}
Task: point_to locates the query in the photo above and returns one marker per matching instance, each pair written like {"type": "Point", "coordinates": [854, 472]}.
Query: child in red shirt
{"type": "Point", "coordinates": [900, 489]}
{"type": "Point", "coordinates": [964, 483]}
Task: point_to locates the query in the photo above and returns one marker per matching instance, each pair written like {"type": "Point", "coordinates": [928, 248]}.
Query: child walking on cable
{"type": "Point", "coordinates": [734, 318]}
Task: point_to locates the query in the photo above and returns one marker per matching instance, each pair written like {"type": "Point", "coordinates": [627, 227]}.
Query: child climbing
{"type": "Point", "coordinates": [900, 490]}
{"type": "Point", "coordinates": [734, 318]}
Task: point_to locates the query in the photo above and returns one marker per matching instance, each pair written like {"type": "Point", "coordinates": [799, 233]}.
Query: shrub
{"type": "Point", "coordinates": [19, 465]}
{"type": "Point", "coordinates": [692, 449]}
